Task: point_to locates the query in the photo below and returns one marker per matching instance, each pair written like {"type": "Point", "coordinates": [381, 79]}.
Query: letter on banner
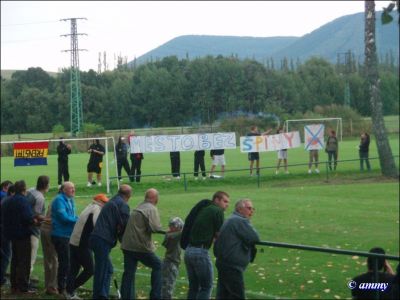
{"type": "Point", "coordinates": [314, 137]}
{"type": "Point", "coordinates": [183, 142]}
{"type": "Point", "coordinates": [273, 142]}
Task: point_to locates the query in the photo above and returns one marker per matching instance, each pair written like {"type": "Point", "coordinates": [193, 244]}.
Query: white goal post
{"type": "Point", "coordinates": [339, 124]}
{"type": "Point", "coordinates": [83, 139]}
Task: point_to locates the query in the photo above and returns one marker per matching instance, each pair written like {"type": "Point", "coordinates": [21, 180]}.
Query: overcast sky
{"type": "Point", "coordinates": [30, 30]}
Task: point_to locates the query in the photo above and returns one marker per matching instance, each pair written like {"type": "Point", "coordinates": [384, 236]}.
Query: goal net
{"type": "Point", "coordinates": [77, 162]}
{"type": "Point", "coordinates": [330, 123]}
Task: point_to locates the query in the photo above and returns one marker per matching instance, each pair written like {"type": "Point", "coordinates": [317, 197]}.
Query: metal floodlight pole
{"type": "Point", "coordinates": [75, 95]}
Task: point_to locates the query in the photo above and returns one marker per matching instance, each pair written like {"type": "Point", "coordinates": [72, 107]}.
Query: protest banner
{"type": "Point", "coordinates": [182, 142]}
{"type": "Point", "coordinates": [273, 142]}
{"type": "Point", "coordinates": [30, 153]}
{"type": "Point", "coordinates": [314, 137]}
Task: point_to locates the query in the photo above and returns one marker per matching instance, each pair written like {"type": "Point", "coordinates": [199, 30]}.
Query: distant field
{"type": "Point", "coordinates": [391, 123]}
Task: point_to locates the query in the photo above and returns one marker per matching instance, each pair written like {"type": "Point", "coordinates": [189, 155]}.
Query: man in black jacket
{"type": "Point", "coordinates": [63, 150]}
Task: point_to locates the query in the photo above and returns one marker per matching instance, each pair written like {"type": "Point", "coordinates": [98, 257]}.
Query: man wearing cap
{"type": "Point", "coordinates": [138, 246]}
{"type": "Point", "coordinates": [233, 250]}
{"type": "Point", "coordinates": [109, 228]}
{"type": "Point", "coordinates": [80, 253]}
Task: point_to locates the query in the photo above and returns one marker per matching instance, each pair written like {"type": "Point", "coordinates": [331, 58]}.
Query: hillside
{"type": "Point", "coordinates": [340, 35]}
{"type": "Point", "coordinates": [6, 74]}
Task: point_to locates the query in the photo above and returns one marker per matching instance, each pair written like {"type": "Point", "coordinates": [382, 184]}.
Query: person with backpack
{"type": "Point", "coordinates": [201, 227]}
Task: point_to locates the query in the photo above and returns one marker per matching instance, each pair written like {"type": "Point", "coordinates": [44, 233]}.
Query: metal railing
{"type": "Point", "coordinates": [186, 175]}
{"type": "Point", "coordinates": [336, 251]}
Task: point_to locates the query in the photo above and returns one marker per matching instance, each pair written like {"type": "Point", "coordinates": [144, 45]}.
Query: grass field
{"type": "Point", "coordinates": [353, 211]}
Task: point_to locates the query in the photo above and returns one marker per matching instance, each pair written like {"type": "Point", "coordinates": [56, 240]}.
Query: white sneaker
{"type": "Point", "coordinates": [309, 171]}
{"type": "Point", "coordinates": [178, 177]}
{"type": "Point", "coordinates": [204, 178]}
{"type": "Point", "coordinates": [73, 296]}
{"type": "Point", "coordinates": [287, 172]}
{"type": "Point", "coordinates": [317, 171]}
{"type": "Point", "coordinates": [196, 178]}
{"type": "Point", "coordinates": [276, 172]}
{"type": "Point", "coordinates": [99, 184]}
{"type": "Point", "coordinates": [89, 184]}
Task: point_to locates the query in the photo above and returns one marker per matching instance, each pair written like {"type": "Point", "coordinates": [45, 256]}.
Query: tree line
{"type": "Point", "coordinates": [172, 92]}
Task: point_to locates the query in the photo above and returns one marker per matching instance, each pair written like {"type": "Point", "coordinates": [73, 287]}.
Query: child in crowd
{"type": "Point", "coordinates": [172, 257]}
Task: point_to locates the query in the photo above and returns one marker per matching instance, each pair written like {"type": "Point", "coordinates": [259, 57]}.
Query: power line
{"type": "Point", "coordinates": [32, 23]}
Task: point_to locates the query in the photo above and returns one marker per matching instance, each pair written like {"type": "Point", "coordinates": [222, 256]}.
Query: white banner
{"type": "Point", "coordinates": [314, 137]}
{"type": "Point", "coordinates": [183, 142]}
{"type": "Point", "coordinates": [274, 142]}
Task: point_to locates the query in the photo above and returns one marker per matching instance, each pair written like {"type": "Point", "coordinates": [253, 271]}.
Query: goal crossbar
{"type": "Point", "coordinates": [339, 125]}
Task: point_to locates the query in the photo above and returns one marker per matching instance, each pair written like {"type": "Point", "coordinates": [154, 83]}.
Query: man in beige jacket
{"type": "Point", "coordinates": [138, 246]}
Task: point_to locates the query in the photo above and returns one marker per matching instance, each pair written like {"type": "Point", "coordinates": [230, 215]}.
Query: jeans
{"type": "Point", "coordinates": [131, 260]}
{"type": "Point", "coordinates": [199, 162]}
{"type": "Point", "coordinates": [334, 155]}
{"type": "Point", "coordinates": [200, 273]}
{"type": "Point", "coordinates": [5, 257]}
{"type": "Point", "coordinates": [364, 157]}
{"type": "Point", "coordinates": [62, 248]}
{"type": "Point", "coordinates": [230, 283]}
{"type": "Point", "coordinates": [103, 268]}
{"type": "Point", "coordinates": [80, 257]}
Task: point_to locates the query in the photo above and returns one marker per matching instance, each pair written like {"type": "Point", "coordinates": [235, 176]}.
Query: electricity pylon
{"type": "Point", "coordinates": [75, 95]}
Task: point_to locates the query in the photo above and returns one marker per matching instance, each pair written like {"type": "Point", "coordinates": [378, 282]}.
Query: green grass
{"type": "Point", "coordinates": [158, 163]}
{"type": "Point", "coordinates": [353, 211]}
{"type": "Point", "coordinates": [348, 216]}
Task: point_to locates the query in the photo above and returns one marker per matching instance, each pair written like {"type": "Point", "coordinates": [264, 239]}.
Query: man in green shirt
{"type": "Point", "coordinates": [204, 230]}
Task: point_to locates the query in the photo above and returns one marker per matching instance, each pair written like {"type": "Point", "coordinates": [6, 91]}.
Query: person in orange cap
{"type": "Point", "coordinates": [80, 253]}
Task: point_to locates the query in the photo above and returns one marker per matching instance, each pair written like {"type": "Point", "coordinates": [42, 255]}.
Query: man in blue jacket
{"type": "Point", "coordinates": [109, 228]}
{"type": "Point", "coordinates": [63, 219]}
{"type": "Point", "coordinates": [232, 249]}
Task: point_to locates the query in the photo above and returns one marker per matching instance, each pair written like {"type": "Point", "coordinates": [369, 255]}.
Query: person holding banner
{"type": "Point", "coordinates": [175, 157]}
{"type": "Point", "coordinates": [282, 155]}
{"type": "Point", "coordinates": [218, 158]}
{"type": "Point", "coordinates": [136, 161]}
{"type": "Point", "coordinates": [255, 156]}
{"type": "Point", "coordinates": [332, 148]}
{"type": "Point", "coordinates": [199, 162]}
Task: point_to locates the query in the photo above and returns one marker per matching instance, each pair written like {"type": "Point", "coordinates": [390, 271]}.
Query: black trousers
{"type": "Point", "coordinates": [175, 164]}
{"type": "Point", "coordinates": [63, 171]}
{"type": "Point", "coordinates": [199, 162]}
{"type": "Point", "coordinates": [135, 168]}
{"type": "Point", "coordinates": [62, 248]}
{"type": "Point", "coordinates": [123, 163]}
{"type": "Point", "coordinates": [230, 283]}
{"type": "Point", "coordinates": [334, 155]}
{"type": "Point", "coordinates": [79, 257]}
{"type": "Point", "coordinates": [20, 264]}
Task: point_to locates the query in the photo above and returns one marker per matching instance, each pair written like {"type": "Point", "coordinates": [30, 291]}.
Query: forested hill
{"type": "Point", "coordinates": [340, 35]}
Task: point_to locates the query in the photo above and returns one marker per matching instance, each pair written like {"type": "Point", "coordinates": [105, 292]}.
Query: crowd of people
{"type": "Point", "coordinates": [75, 248]}
{"type": "Point", "coordinates": [133, 171]}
